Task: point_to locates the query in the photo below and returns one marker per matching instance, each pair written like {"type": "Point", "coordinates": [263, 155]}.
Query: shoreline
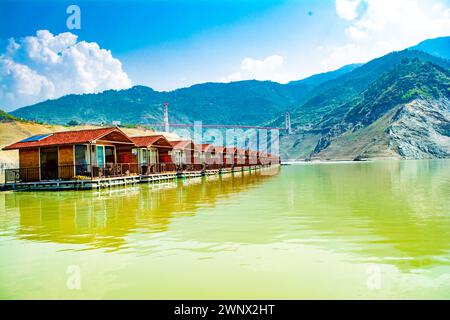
{"type": "Point", "coordinates": [310, 162]}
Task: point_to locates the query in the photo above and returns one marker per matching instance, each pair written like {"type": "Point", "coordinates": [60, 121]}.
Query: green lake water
{"type": "Point", "coordinates": [370, 230]}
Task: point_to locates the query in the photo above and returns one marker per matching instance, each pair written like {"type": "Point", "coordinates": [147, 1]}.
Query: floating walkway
{"type": "Point", "coordinates": [100, 183]}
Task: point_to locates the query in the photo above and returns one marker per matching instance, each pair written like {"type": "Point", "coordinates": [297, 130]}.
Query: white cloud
{"type": "Point", "coordinates": [347, 9]}
{"type": "Point", "coordinates": [270, 68]}
{"type": "Point", "coordinates": [385, 26]}
{"type": "Point", "coordinates": [47, 66]}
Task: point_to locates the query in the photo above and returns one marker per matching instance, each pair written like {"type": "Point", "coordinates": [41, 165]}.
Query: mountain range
{"type": "Point", "coordinates": [395, 106]}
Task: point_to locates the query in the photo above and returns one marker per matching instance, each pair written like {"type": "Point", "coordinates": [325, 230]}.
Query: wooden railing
{"type": "Point", "coordinates": [70, 172]}
{"type": "Point", "coordinates": [190, 167]}
{"type": "Point", "coordinates": [148, 169]}
{"type": "Point", "coordinates": [110, 170]}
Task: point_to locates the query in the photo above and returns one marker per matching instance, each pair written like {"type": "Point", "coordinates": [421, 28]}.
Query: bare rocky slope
{"type": "Point", "coordinates": [421, 129]}
{"type": "Point", "coordinates": [404, 114]}
{"type": "Point", "coordinates": [415, 130]}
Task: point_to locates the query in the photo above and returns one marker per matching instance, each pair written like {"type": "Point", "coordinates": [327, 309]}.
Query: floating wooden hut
{"type": "Point", "coordinates": [104, 157]}
{"type": "Point", "coordinates": [75, 154]}
{"type": "Point", "coordinates": [153, 154]}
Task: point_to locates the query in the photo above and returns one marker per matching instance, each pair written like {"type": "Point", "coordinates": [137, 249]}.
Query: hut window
{"type": "Point", "coordinates": [109, 154]}
{"type": "Point", "coordinates": [178, 157]}
{"type": "Point", "coordinates": [143, 156]}
{"type": "Point", "coordinates": [100, 156]}
{"type": "Point", "coordinates": [153, 156]}
{"type": "Point", "coordinates": [81, 159]}
{"type": "Point", "coordinates": [81, 155]}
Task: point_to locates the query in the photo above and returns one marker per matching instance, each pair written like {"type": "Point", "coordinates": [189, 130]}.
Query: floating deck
{"type": "Point", "coordinates": [120, 181]}
{"type": "Point", "coordinates": [190, 174]}
{"type": "Point", "coordinates": [158, 177]}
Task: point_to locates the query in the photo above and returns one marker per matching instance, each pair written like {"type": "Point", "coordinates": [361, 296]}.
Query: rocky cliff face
{"type": "Point", "coordinates": [421, 129]}
{"type": "Point", "coordinates": [403, 114]}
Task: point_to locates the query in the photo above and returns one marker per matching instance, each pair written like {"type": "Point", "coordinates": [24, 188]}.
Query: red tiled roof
{"type": "Point", "coordinates": [207, 147]}
{"type": "Point", "coordinates": [231, 150]}
{"type": "Point", "coordinates": [147, 141]}
{"type": "Point", "coordinates": [67, 137]}
{"type": "Point", "coordinates": [182, 144]}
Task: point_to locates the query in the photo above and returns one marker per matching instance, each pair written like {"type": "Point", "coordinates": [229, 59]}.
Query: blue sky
{"type": "Point", "coordinates": [172, 44]}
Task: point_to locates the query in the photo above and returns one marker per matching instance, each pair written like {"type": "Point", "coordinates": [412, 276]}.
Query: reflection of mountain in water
{"type": "Point", "coordinates": [104, 218]}
{"type": "Point", "coordinates": [385, 212]}
{"type": "Point", "coordinates": [392, 212]}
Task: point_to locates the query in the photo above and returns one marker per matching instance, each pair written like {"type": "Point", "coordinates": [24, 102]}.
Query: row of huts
{"type": "Point", "coordinates": [109, 152]}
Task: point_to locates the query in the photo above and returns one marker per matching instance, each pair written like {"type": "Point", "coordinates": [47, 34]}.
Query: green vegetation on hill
{"type": "Point", "coordinates": [412, 80]}
{"type": "Point", "coordinates": [331, 96]}
{"type": "Point", "coordinates": [320, 78]}
{"type": "Point", "coordinates": [347, 109]}
{"type": "Point", "coordinates": [405, 82]}
{"type": "Point", "coordinates": [439, 47]}
{"type": "Point", "coordinates": [310, 100]}
{"type": "Point", "coordinates": [244, 102]}
{"type": "Point", "coordinates": [6, 116]}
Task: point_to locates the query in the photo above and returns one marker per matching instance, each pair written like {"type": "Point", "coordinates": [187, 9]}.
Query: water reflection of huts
{"type": "Point", "coordinates": [104, 218]}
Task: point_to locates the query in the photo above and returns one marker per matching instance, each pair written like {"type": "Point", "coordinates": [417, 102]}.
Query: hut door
{"type": "Point", "coordinates": [49, 163]}
{"type": "Point", "coordinates": [82, 160]}
{"type": "Point", "coordinates": [110, 154]}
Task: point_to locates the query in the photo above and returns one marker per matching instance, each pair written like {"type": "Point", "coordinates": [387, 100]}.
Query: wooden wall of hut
{"type": "Point", "coordinates": [29, 164]}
